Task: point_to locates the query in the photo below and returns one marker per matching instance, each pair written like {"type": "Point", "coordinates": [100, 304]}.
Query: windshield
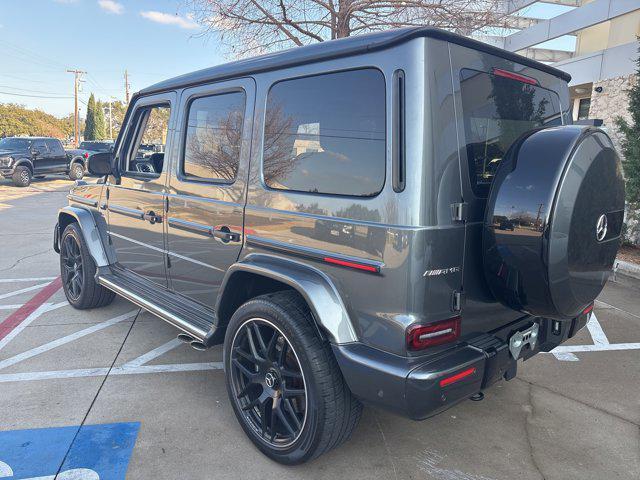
{"type": "Point", "coordinates": [14, 144]}
{"type": "Point", "coordinates": [496, 111]}
{"type": "Point", "coordinates": [96, 146]}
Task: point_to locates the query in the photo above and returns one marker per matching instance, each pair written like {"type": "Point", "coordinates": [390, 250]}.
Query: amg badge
{"type": "Point", "coordinates": [440, 271]}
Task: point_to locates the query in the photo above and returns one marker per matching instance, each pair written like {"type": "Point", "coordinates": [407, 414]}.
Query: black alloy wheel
{"type": "Point", "coordinates": [268, 383]}
{"type": "Point", "coordinates": [72, 268]}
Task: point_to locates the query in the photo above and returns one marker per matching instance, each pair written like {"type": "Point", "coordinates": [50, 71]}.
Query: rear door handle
{"type": "Point", "coordinates": [151, 217]}
{"type": "Point", "coordinates": [225, 234]}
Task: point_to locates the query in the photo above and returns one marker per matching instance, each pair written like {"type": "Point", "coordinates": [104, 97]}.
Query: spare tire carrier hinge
{"type": "Point", "coordinates": [456, 301]}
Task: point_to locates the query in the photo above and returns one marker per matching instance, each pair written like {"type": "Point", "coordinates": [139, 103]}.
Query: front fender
{"type": "Point", "coordinates": [93, 228]}
{"type": "Point", "coordinates": [23, 161]}
{"type": "Point", "coordinates": [314, 286]}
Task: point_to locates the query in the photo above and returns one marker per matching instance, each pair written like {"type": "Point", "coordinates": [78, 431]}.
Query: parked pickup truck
{"type": "Point", "coordinates": [80, 157]}
{"type": "Point", "coordinates": [396, 219]}
{"type": "Point", "coordinates": [22, 158]}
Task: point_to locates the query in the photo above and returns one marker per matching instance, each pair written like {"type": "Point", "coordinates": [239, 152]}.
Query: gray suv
{"type": "Point", "coordinates": [393, 219]}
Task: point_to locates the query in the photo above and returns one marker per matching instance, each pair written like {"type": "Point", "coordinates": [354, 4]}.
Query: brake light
{"type": "Point", "coordinates": [457, 377]}
{"type": "Point", "coordinates": [587, 310]}
{"type": "Point", "coordinates": [423, 336]}
{"type": "Point", "coordinates": [86, 155]}
{"type": "Point", "coordinates": [515, 76]}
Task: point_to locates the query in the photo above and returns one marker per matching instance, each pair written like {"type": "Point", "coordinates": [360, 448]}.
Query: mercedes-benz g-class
{"type": "Point", "coordinates": [394, 219]}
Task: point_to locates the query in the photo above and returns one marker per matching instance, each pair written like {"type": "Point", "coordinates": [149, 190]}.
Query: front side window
{"type": "Point", "coordinates": [497, 110]}
{"type": "Point", "coordinates": [213, 137]}
{"type": "Point", "coordinates": [326, 134]}
{"type": "Point", "coordinates": [146, 154]}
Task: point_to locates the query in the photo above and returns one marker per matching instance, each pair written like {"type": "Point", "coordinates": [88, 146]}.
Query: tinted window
{"type": "Point", "coordinates": [326, 134]}
{"type": "Point", "coordinates": [146, 154]}
{"type": "Point", "coordinates": [40, 146]}
{"type": "Point", "coordinates": [55, 147]}
{"type": "Point", "coordinates": [214, 135]}
{"type": "Point", "coordinates": [96, 146]}
{"type": "Point", "coordinates": [496, 111]}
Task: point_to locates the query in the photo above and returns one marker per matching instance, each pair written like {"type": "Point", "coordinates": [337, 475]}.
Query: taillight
{"type": "Point", "coordinates": [86, 155]}
{"type": "Point", "coordinates": [423, 336]}
{"type": "Point", "coordinates": [515, 76]}
{"type": "Point", "coordinates": [587, 310]}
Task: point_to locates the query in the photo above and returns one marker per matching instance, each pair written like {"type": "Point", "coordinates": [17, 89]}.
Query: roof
{"type": "Point", "coordinates": [338, 48]}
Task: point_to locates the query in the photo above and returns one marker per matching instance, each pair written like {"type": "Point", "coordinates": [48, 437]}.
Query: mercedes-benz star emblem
{"type": "Point", "coordinates": [270, 379]}
{"type": "Point", "coordinates": [601, 227]}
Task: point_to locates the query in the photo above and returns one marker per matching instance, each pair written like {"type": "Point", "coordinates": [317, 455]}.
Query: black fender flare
{"type": "Point", "coordinates": [24, 161]}
{"type": "Point", "coordinates": [314, 286]}
{"type": "Point", "coordinates": [93, 228]}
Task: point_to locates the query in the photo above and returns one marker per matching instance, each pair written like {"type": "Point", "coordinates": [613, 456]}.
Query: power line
{"type": "Point", "coordinates": [30, 90]}
{"type": "Point", "coordinates": [32, 96]}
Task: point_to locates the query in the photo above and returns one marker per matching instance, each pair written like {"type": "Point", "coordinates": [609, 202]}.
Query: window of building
{"type": "Point", "coordinates": [496, 111]}
{"type": "Point", "coordinates": [214, 136]}
{"type": "Point", "coordinates": [584, 104]}
{"type": "Point", "coordinates": [326, 134]}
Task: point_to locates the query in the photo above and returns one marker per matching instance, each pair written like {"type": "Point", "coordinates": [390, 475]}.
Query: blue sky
{"type": "Point", "coordinates": [41, 39]}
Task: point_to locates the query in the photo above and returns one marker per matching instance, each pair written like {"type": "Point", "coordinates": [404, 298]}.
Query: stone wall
{"type": "Point", "coordinates": [612, 102]}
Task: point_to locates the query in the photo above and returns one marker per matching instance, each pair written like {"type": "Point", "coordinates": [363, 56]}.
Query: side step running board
{"type": "Point", "coordinates": [129, 290]}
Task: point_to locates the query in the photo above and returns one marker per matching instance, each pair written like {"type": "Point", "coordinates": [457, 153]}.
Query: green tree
{"type": "Point", "coordinates": [19, 120]}
{"type": "Point", "coordinates": [100, 132]}
{"type": "Point", "coordinates": [631, 143]}
{"type": "Point", "coordinates": [90, 122]}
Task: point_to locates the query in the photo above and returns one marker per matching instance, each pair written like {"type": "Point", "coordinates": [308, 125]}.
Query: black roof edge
{"type": "Point", "coordinates": [378, 42]}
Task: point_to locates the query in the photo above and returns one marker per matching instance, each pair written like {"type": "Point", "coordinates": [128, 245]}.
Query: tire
{"type": "Point", "coordinates": [76, 172]}
{"type": "Point", "coordinates": [330, 412]}
{"type": "Point", "coordinates": [78, 270]}
{"type": "Point", "coordinates": [21, 176]}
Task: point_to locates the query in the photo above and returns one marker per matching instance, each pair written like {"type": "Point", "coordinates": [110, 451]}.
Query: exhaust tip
{"type": "Point", "coordinates": [183, 337]}
{"type": "Point", "coordinates": [196, 345]}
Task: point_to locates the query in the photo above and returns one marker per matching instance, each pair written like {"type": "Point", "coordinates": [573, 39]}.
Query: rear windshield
{"type": "Point", "coordinates": [496, 111]}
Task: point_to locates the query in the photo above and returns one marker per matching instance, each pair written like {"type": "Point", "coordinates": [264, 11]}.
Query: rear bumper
{"type": "Point", "coordinates": [412, 387]}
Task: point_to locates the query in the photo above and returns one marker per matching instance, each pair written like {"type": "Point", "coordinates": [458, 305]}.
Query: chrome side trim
{"type": "Point", "coordinates": [129, 212]}
{"type": "Point", "coordinates": [190, 226]}
{"type": "Point", "coordinates": [155, 309]}
{"type": "Point", "coordinates": [82, 200]}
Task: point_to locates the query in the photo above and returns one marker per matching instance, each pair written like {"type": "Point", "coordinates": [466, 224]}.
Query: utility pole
{"type": "Point", "coordinates": [76, 81]}
{"type": "Point", "coordinates": [110, 121]}
{"type": "Point", "coordinates": [126, 86]}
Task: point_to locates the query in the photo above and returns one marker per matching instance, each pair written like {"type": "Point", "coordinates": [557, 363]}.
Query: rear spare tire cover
{"type": "Point", "coordinates": [553, 221]}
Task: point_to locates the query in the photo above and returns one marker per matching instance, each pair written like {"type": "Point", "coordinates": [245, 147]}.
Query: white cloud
{"type": "Point", "coordinates": [111, 6]}
{"type": "Point", "coordinates": [168, 19]}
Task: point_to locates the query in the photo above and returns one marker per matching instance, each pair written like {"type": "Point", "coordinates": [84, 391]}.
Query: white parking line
{"type": "Point", "coordinates": [35, 279]}
{"type": "Point", "coordinates": [23, 290]}
{"type": "Point", "coordinates": [153, 354]}
{"type": "Point", "coordinates": [45, 307]}
{"type": "Point", "coordinates": [64, 340]}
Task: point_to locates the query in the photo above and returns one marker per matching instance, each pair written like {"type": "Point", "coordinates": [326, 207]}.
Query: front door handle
{"type": "Point", "coordinates": [225, 234]}
{"type": "Point", "coordinates": [151, 217]}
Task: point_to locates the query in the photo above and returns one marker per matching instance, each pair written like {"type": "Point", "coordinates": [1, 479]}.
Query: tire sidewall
{"type": "Point", "coordinates": [77, 171]}
{"type": "Point", "coordinates": [73, 230]}
{"type": "Point", "coordinates": [18, 178]}
{"type": "Point", "coordinates": [303, 448]}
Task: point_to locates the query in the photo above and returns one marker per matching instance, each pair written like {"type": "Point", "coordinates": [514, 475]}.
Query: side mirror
{"type": "Point", "coordinates": [35, 151]}
{"type": "Point", "coordinates": [100, 163]}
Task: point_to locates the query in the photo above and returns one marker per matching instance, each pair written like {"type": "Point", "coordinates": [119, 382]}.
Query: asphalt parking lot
{"type": "Point", "coordinates": [113, 388]}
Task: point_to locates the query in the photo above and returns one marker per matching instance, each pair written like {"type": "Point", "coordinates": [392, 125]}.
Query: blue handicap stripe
{"type": "Point", "coordinates": [104, 449]}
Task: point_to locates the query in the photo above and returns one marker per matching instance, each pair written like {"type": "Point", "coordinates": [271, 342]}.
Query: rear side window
{"type": "Point", "coordinates": [214, 135]}
{"type": "Point", "coordinates": [496, 111]}
{"type": "Point", "coordinates": [326, 134]}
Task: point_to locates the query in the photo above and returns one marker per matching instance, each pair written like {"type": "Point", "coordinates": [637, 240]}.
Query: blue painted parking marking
{"type": "Point", "coordinates": [98, 452]}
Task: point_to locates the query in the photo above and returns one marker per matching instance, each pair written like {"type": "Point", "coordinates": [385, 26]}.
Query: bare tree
{"type": "Point", "coordinates": [257, 26]}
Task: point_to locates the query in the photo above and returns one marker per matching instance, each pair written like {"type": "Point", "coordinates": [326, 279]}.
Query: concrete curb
{"type": "Point", "coordinates": [627, 268]}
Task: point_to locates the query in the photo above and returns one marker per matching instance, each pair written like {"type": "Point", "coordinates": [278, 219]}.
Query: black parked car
{"type": "Point", "coordinates": [22, 158]}
{"type": "Point", "coordinates": [80, 157]}
{"type": "Point", "coordinates": [320, 212]}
